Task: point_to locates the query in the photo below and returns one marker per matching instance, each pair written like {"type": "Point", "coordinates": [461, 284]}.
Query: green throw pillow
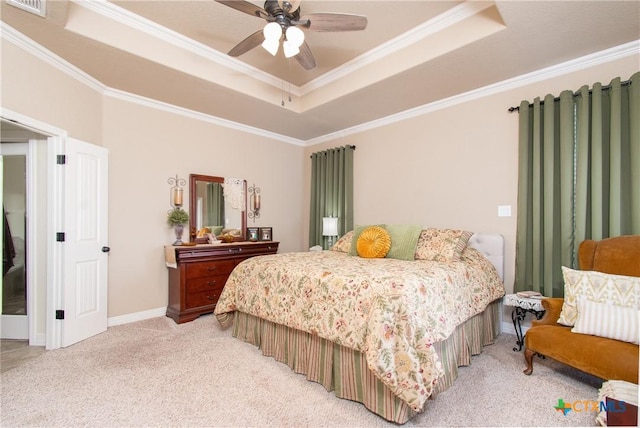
{"type": "Point", "coordinates": [216, 230]}
{"type": "Point", "coordinates": [404, 240]}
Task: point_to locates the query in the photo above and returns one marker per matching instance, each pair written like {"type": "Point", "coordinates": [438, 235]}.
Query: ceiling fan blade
{"type": "Point", "coordinates": [246, 7]}
{"type": "Point", "coordinates": [305, 57]}
{"type": "Point", "coordinates": [247, 44]}
{"type": "Point", "coordinates": [325, 22]}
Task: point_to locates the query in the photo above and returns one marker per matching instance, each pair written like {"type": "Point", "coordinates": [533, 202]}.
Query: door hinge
{"type": "Point", "coordinates": [60, 236]}
{"type": "Point", "coordinates": [59, 314]}
{"type": "Point", "coordinates": [61, 159]}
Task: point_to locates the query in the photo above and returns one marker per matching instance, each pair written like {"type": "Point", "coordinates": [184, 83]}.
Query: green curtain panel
{"type": "Point", "coordinates": [331, 192]}
{"type": "Point", "coordinates": [215, 205]}
{"type": "Point", "coordinates": [579, 177]}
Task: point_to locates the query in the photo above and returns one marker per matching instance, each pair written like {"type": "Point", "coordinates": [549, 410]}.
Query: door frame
{"type": "Point", "coordinates": [56, 143]}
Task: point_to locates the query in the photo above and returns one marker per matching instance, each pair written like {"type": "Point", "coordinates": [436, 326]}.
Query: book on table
{"type": "Point", "coordinates": [530, 294]}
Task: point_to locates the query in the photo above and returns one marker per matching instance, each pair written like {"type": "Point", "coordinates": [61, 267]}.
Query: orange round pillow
{"type": "Point", "coordinates": [373, 242]}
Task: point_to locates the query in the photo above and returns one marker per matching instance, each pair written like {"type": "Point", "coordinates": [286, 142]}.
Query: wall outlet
{"type": "Point", "coordinates": [504, 210]}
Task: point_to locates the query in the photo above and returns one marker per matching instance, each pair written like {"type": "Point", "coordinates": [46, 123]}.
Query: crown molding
{"type": "Point", "coordinates": [597, 58]}
{"type": "Point", "coordinates": [432, 26]}
{"type": "Point", "coordinates": [139, 23]}
{"type": "Point", "coordinates": [192, 114]}
{"type": "Point", "coordinates": [12, 35]}
{"type": "Point", "coordinates": [587, 61]}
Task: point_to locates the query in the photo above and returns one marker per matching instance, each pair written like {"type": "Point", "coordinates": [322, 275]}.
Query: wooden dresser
{"type": "Point", "coordinates": [197, 282]}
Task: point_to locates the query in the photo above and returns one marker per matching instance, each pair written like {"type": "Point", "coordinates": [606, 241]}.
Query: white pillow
{"type": "Point", "coordinates": [600, 287]}
{"type": "Point", "coordinates": [607, 320]}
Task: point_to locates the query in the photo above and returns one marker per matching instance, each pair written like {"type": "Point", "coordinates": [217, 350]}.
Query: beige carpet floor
{"type": "Point", "coordinates": [155, 373]}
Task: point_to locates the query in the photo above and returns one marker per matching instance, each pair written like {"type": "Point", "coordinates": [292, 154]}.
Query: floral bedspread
{"type": "Point", "coordinates": [391, 310]}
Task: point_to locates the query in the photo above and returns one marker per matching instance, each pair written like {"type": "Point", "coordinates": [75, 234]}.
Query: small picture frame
{"type": "Point", "coordinates": [266, 234]}
{"type": "Point", "coordinates": [253, 233]}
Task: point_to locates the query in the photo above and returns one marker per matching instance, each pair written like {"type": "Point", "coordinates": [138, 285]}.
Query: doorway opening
{"type": "Point", "coordinates": [23, 315]}
{"type": "Point", "coordinates": [66, 302]}
{"type": "Point", "coordinates": [14, 250]}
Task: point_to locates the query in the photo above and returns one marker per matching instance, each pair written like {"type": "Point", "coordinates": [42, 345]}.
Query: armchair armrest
{"type": "Point", "coordinates": [552, 307]}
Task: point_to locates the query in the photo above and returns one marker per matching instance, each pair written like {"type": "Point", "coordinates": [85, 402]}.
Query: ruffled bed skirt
{"type": "Point", "coordinates": [345, 370]}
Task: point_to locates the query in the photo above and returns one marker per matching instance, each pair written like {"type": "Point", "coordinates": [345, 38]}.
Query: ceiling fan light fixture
{"type": "Point", "coordinates": [271, 46]}
{"type": "Point", "coordinates": [295, 36]}
{"type": "Point", "coordinates": [272, 31]}
{"type": "Point", "coordinates": [290, 49]}
{"type": "Point", "coordinates": [283, 16]}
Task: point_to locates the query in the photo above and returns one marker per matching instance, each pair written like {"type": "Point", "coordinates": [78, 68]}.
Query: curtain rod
{"type": "Point", "coordinates": [325, 151]}
{"type": "Point", "coordinates": [605, 87]}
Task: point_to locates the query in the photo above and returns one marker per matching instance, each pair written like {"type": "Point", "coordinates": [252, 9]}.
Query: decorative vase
{"type": "Point", "coordinates": [178, 228]}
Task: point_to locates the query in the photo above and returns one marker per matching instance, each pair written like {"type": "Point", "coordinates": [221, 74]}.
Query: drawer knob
{"type": "Point", "coordinates": [211, 269]}
{"type": "Point", "coordinates": [211, 283]}
{"type": "Point", "coordinates": [211, 297]}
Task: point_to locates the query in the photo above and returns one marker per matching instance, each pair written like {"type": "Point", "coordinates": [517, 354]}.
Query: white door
{"type": "Point", "coordinates": [85, 241]}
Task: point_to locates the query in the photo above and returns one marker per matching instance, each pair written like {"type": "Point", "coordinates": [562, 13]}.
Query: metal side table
{"type": "Point", "coordinates": [522, 305]}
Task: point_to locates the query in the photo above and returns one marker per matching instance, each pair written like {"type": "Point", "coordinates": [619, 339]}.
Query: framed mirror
{"type": "Point", "coordinates": [210, 209]}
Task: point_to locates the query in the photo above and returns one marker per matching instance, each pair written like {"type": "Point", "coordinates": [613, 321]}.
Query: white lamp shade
{"type": "Point", "coordinates": [272, 31]}
{"type": "Point", "coordinates": [290, 49]}
{"type": "Point", "coordinates": [271, 46]}
{"type": "Point", "coordinates": [330, 226]}
{"type": "Point", "coordinates": [295, 36]}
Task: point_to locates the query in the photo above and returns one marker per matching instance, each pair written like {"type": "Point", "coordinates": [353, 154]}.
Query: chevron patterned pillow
{"type": "Point", "coordinates": [599, 287]}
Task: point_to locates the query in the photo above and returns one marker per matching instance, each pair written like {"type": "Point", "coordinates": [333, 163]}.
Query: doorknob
{"type": "Point", "coordinates": [106, 249]}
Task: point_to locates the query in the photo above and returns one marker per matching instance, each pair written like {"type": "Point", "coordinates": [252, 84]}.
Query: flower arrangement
{"type": "Point", "coordinates": [177, 216]}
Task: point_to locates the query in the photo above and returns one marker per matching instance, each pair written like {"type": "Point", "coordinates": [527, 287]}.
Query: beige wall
{"type": "Point", "coordinates": [146, 147]}
{"type": "Point", "coordinates": [37, 90]}
{"type": "Point", "coordinates": [448, 168]}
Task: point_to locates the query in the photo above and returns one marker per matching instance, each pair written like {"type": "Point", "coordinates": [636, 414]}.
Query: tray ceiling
{"type": "Point", "coordinates": [412, 53]}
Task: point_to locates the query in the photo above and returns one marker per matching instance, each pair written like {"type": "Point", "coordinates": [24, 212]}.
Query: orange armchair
{"type": "Point", "coordinates": [602, 357]}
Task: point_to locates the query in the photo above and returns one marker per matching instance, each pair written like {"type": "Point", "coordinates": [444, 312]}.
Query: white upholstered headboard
{"type": "Point", "coordinates": [492, 246]}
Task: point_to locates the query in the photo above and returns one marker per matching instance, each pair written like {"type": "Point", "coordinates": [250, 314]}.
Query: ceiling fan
{"type": "Point", "coordinates": [283, 17]}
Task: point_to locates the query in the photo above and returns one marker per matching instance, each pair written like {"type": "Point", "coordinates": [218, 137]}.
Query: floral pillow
{"type": "Point", "coordinates": [442, 245]}
{"type": "Point", "coordinates": [344, 244]}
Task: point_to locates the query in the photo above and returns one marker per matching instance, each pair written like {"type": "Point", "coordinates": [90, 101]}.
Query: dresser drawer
{"type": "Point", "coordinates": [203, 298]}
{"type": "Point", "coordinates": [207, 283]}
{"type": "Point", "coordinates": [202, 272]}
{"type": "Point", "coordinates": [196, 270]}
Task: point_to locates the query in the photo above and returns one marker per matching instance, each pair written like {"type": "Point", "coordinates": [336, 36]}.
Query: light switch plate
{"type": "Point", "coordinates": [504, 210]}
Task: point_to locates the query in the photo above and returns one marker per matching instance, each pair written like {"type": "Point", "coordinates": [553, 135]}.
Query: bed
{"type": "Point", "coordinates": [386, 332]}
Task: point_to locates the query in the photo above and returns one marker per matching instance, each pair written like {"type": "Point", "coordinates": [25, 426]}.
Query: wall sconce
{"type": "Point", "coordinates": [254, 202]}
{"type": "Point", "coordinates": [176, 216]}
{"type": "Point", "coordinates": [330, 228]}
{"type": "Point", "coordinates": [176, 193]}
